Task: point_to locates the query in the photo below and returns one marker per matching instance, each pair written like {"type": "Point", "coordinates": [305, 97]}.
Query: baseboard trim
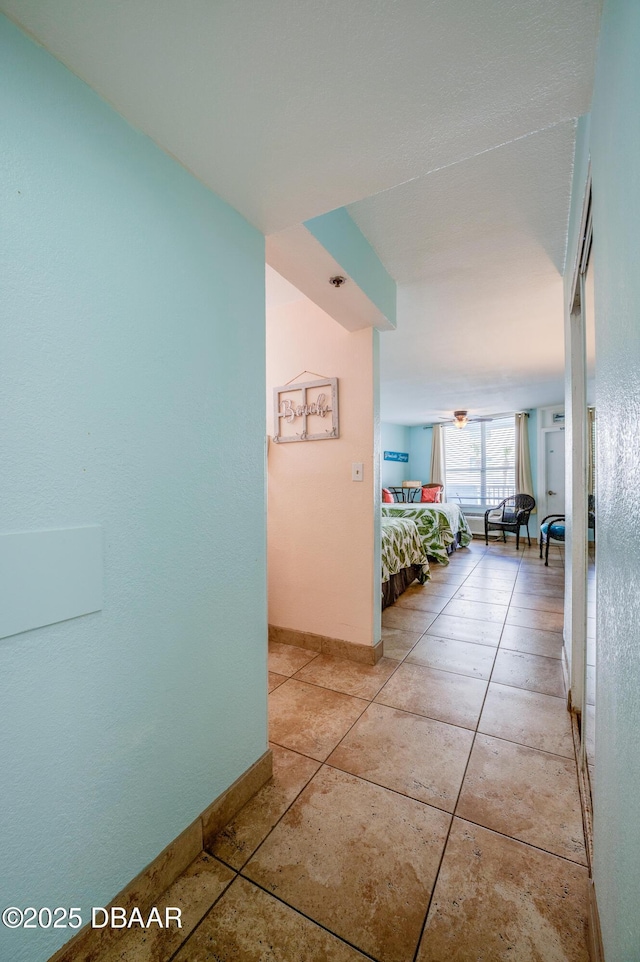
{"type": "Point", "coordinates": [583, 787]}
{"type": "Point", "coordinates": [363, 654]}
{"type": "Point", "coordinates": [226, 806]}
{"type": "Point", "coordinates": [146, 889]}
{"type": "Point", "coordinates": [594, 933]}
{"type": "Point", "coordinates": [566, 675]}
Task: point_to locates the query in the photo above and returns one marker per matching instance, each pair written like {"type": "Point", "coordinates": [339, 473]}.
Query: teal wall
{"type": "Point", "coordinates": [615, 149]}
{"type": "Point", "coordinates": [343, 239]}
{"type": "Point", "coordinates": [394, 437]}
{"type": "Point", "coordinates": [133, 386]}
{"type": "Point", "coordinates": [416, 442]}
{"type": "Point", "coordinates": [420, 452]}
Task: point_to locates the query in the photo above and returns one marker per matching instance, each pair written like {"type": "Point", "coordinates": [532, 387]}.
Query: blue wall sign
{"type": "Point", "coordinates": [395, 456]}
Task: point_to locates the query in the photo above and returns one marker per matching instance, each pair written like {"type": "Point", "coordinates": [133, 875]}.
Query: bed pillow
{"type": "Point", "coordinates": [387, 497]}
{"type": "Point", "coordinates": [430, 495]}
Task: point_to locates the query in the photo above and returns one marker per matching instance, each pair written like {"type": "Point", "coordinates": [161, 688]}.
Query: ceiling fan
{"type": "Point", "coordinates": [461, 419]}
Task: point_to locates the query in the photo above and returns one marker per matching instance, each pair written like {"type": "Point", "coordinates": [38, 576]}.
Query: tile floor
{"type": "Point", "coordinates": [424, 809]}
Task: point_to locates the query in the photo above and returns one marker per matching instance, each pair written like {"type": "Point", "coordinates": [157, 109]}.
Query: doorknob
{"type": "Point", "coordinates": [552, 492]}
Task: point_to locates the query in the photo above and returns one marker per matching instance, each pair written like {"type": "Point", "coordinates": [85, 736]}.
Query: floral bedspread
{"type": "Point", "coordinates": [438, 525]}
{"type": "Point", "coordinates": [402, 547]}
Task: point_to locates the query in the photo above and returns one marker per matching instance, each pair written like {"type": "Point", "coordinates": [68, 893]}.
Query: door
{"type": "Point", "coordinates": [554, 471]}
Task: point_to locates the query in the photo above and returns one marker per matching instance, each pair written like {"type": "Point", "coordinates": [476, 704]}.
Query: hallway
{"type": "Point", "coordinates": [352, 845]}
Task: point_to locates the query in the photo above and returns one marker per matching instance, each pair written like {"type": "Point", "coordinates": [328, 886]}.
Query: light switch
{"type": "Point", "coordinates": [357, 471]}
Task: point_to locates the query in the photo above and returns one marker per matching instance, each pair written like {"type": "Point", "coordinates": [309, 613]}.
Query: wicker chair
{"type": "Point", "coordinates": [514, 513]}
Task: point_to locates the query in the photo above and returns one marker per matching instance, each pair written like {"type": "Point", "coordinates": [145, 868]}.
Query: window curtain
{"type": "Point", "coordinates": [524, 484]}
{"type": "Point", "coordinates": [437, 459]}
{"type": "Point", "coordinates": [591, 445]}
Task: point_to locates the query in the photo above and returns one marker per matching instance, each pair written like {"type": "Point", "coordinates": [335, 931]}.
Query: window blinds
{"type": "Point", "coordinates": [480, 462]}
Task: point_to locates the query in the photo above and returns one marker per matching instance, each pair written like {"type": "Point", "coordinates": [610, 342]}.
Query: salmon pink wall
{"type": "Point", "coordinates": [321, 528]}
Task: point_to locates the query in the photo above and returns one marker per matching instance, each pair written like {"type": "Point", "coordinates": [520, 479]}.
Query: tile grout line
{"type": "Point", "coordinates": [571, 861]}
{"type": "Point", "coordinates": [446, 841]}
{"type": "Point", "coordinates": [512, 838]}
{"type": "Point", "coordinates": [336, 691]}
{"type": "Point", "coordinates": [509, 741]}
{"type": "Point", "coordinates": [550, 658]}
{"type": "Point", "coordinates": [371, 701]}
{"type": "Point", "coordinates": [306, 785]}
{"type": "Point", "coordinates": [280, 817]}
{"type": "Point", "coordinates": [453, 815]}
{"type": "Point", "coordinates": [320, 925]}
{"type": "Point", "coordinates": [239, 874]}
{"type": "Point", "coordinates": [394, 791]}
{"type": "Point", "coordinates": [210, 909]}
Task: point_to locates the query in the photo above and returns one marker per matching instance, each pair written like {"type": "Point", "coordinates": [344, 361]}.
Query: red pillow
{"type": "Point", "coordinates": [431, 495]}
{"type": "Point", "coordinates": [387, 497]}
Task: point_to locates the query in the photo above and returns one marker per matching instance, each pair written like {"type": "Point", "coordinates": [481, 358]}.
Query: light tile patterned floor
{"type": "Point", "coordinates": [422, 810]}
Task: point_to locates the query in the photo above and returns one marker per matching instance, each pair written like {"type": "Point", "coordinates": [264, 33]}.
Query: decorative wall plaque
{"type": "Point", "coordinates": [307, 411]}
{"type": "Point", "coordinates": [401, 456]}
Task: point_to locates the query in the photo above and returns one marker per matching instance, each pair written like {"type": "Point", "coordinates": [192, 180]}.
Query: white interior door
{"type": "Point", "coordinates": [554, 471]}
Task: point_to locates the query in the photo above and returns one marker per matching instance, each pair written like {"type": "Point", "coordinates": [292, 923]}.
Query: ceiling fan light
{"type": "Point", "coordinates": [460, 419]}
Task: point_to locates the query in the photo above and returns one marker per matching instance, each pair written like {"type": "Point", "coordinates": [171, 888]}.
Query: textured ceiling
{"type": "Point", "coordinates": [444, 124]}
{"type": "Point", "coordinates": [478, 249]}
{"type": "Point", "coordinates": [291, 108]}
{"type": "Point", "coordinates": [516, 196]}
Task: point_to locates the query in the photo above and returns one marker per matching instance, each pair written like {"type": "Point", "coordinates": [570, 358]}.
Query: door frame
{"type": "Point", "coordinates": [576, 554]}
{"type": "Point", "coordinates": [543, 429]}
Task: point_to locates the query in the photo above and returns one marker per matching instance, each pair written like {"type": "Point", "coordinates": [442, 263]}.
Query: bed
{"type": "Point", "coordinates": [442, 527]}
{"type": "Point", "coordinates": [404, 558]}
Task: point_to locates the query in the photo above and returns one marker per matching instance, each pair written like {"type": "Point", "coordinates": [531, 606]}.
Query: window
{"type": "Point", "coordinates": [479, 462]}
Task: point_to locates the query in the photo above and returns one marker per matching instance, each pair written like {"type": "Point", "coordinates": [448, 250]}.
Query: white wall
{"type": "Point", "coordinates": [615, 149]}
{"type": "Point", "coordinates": [610, 137]}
